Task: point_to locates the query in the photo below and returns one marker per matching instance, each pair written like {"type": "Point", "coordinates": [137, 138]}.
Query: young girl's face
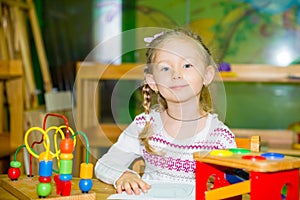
{"type": "Point", "coordinates": [178, 70]}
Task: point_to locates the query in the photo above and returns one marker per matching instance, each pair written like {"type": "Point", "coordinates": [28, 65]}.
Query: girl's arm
{"type": "Point", "coordinates": [116, 161]}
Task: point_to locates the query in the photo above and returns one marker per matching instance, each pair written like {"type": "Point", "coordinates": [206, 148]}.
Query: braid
{"type": "Point", "coordinates": [146, 133]}
{"type": "Point", "coordinates": [147, 98]}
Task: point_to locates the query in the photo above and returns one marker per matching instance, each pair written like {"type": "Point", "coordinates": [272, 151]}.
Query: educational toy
{"type": "Point", "coordinates": [272, 175]}
{"type": "Point", "coordinates": [64, 156]}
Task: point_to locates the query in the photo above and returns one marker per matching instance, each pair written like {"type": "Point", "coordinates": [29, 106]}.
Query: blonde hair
{"type": "Point", "coordinates": [149, 95]}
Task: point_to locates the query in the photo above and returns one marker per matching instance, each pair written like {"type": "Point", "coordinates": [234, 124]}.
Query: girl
{"type": "Point", "coordinates": [178, 71]}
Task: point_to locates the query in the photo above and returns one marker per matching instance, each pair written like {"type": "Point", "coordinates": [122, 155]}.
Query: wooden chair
{"type": "Point", "coordinates": [252, 143]}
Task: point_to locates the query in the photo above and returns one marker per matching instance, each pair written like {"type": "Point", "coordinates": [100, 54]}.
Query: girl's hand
{"type": "Point", "coordinates": [131, 184]}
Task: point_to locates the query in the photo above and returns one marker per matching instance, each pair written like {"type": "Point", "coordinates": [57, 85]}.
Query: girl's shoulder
{"type": "Point", "coordinates": [154, 117]}
{"type": "Point", "coordinates": [218, 127]}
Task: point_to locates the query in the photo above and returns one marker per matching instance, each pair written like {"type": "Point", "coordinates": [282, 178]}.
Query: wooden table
{"type": "Point", "coordinates": [28, 191]}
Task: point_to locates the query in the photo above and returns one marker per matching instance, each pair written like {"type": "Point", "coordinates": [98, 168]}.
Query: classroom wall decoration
{"type": "Point", "coordinates": [238, 31]}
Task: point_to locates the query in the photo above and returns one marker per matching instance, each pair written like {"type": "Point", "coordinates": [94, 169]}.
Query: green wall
{"type": "Point", "coordinates": [262, 105]}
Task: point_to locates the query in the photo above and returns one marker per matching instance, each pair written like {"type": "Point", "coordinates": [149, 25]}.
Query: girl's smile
{"type": "Point", "coordinates": [178, 87]}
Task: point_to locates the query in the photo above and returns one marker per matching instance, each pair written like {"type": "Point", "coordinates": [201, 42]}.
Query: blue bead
{"type": "Point", "coordinates": [45, 168]}
{"type": "Point", "coordinates": [85, 185]}
{"type": "Point", "coordinates": [65, 177]}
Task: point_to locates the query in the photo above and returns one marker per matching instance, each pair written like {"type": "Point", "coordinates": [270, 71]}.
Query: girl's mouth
{"type": "Point", "coordinates": [176, 87]}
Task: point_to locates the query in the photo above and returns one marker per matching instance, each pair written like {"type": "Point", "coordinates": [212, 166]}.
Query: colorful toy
{"type": "Point", "coordinates": [225, 70]}
{"type": "Point", "coordinates": [64, 156]}
{"type": "Point", "coordinates": [271, 175]}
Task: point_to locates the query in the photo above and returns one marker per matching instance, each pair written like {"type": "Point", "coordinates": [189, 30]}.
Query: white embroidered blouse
{"type": "Point", "coordinates": [176, 164]}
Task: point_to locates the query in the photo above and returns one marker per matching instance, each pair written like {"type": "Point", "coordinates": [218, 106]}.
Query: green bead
{"type": "Point", "coordinates": [65, 166]}
{"type": "Point", "coordinates": [44, 189]}
{"type": "Point", "coordinates": [15, 164]}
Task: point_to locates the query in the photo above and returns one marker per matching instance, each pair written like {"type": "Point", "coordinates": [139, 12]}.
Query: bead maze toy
{"type": "Point", "coordinates": [271, 175]}
{"type": "Point", "coordinates": [64, 155]}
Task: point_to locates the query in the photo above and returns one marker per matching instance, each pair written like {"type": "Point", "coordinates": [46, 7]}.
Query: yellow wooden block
{"type": "Point", "coordinates": [228, 191]}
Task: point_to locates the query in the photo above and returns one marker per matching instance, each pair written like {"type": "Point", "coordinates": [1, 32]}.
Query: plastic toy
{"type": "Point", "coordinates": [225, 70]}
{"type": "Point", "coordinates": [64, 156]}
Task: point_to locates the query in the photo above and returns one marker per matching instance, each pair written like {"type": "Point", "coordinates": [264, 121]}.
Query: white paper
{"type": "Point", "coordinates": [161, 190]}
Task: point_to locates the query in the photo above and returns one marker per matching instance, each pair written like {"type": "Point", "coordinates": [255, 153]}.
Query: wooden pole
{"type": "Point", "coordinates": [40, 47]}
{"type": "Point", "coordinates": [25, 52]}
{"type": "Point", "coordinates": [3, 47]}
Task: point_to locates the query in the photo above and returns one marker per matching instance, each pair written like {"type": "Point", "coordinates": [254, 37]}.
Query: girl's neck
{"type": "Point", "coordinates": [184, 112]}
{"type": "Point", "coordinates": [180, 129]}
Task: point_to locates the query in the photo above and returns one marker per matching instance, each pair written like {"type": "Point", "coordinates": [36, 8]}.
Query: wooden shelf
{"type": "Point", "coordinates": [10, 69]}
{"type": "Point", "coordinates": [264, 73]}
{"type": "Point", "coordinates": [244, 72]}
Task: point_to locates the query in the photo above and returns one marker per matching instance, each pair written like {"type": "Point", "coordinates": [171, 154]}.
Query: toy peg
{"type": "Point", "coordinates": [14, 170]}
{"type": "Point", "coordinates": [63, 188]}
{"type": "Point", "coordinates": [86, 173]}
{"type": "Point", "coordinates": [66, 188]}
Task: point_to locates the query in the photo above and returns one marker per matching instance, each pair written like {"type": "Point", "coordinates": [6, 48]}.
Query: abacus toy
{"type": "Point", "coordinates": [64, 156]}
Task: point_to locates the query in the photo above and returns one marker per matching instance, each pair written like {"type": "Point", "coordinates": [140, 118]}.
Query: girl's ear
{"type": "Point", "coordinates": [209, 75]}
{"type": "Point", "coordinates": [151, 82]}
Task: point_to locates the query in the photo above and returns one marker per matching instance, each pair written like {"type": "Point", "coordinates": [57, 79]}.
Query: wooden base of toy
{"type": "Point", "coordinates": [25, 188]}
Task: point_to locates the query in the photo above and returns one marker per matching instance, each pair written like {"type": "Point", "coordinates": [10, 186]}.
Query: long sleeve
{"type": "Point", "coordinates": [117, 160]}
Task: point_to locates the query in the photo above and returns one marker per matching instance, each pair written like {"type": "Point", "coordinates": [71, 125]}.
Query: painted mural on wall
{"type": "Point", "coordinates": [237, 31]}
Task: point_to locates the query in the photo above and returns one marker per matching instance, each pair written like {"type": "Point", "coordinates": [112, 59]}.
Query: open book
{"type": "Point", "coordinates": [162, 190]}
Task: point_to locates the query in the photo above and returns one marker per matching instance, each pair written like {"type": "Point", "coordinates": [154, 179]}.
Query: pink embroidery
{"type": "Point", "coordinates": [223, 132]}
{"type": "Point", "coordinates": [192, 146]}
{"type": "Point", "coordinates": [170, 163]}
{"type": "Point", "coordinates": [141, 120]}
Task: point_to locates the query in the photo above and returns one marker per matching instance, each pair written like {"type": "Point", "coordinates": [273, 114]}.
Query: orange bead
{"type": "Point", "coordinates": [86, 170]}
{"type": "Point", "coordinates": [66, 156]}
{"type": "Point", "coordinates": [67, 146]}
{"type": "Point", "coordinates": [45, 156]}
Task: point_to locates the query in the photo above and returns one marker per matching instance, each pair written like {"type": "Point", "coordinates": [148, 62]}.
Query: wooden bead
{"type": "Point", "coordinates": [44, 189]}
{"type": "Point", "coordinates": [45, 156]}
{"type": "Point", "coordinates": [14, 173]}
{"type": "Point", "coordinates": [86, 170]}
{"type": "Point", "coordinates": [15, 164]}
{"type": "Point", "coordinates": [66, 156]}
{"type": "Point", "coordinates": [85, 185]}
{"type": "Point", "coordinates": [65, 166]}
{"type": "Point", "coordinates": [45, 168]}
{"type": "Point", "coordinates": [65, 177]}
{"type": "Point", "coordinates": [66, 146]}
{"type": "Point", "coordinates": [45, 179]}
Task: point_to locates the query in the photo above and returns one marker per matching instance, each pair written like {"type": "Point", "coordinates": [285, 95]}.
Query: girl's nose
{"type": "Point", "coordinates": [176, 74]}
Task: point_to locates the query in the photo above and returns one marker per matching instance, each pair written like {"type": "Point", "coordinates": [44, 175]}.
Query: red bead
{"type": "Point", "coordinates": [45, 179]}
{"type": "Point", "coordinates": [14, 173]}
{"type": "Point", "coordinates": [66, 146]}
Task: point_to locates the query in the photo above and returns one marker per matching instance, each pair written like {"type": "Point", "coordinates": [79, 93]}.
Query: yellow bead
{"type": "Point", "coordinates": [45, 156]}
{"type": "Point", "coordinates": [86, 170]}
{"type": "Point", "coordinates": [66, 156]}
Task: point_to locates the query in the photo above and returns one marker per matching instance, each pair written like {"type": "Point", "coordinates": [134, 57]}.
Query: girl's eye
{"type": "Point", "coordinates": [164, 68]}
{"type": "Point", "coordinates": [187, 66]}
